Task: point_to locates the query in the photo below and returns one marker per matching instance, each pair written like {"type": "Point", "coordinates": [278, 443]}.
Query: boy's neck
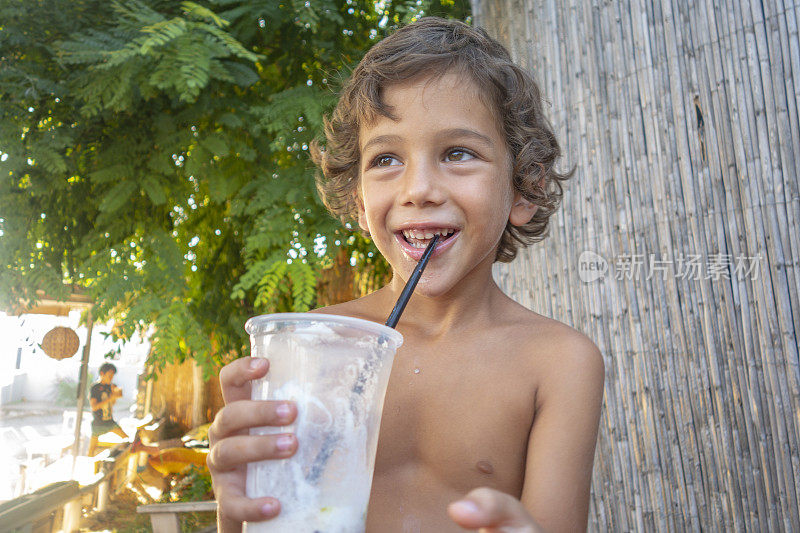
{"type": "Point", "coordinates": [468, 303]}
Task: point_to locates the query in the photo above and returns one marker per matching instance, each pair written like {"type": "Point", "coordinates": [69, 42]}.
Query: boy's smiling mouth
{"type": "Point", "coordinates": [420, 238]}
{"type": "Point", "coordinates": [414, 239]}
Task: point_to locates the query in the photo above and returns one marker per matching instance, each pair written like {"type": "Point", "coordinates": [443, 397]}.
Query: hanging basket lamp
{"type": "Point", "coordinates": [60, 343]}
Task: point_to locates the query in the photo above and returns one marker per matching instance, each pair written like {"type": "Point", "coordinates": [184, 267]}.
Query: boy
{"type": "Point", "coordinates": [102, 397]}
{"type": "Point", "coordinates": [491, 414]}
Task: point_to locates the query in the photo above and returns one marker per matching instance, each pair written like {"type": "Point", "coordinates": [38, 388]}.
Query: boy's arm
{"type": "Point", "coordinates": [94, 398]}
{"type": "Point", "coordinates": [562, 441]}
{"type": "Point", "coordinates": [96, 402]}
{"type": "Point", "coordinates": [558, 473]}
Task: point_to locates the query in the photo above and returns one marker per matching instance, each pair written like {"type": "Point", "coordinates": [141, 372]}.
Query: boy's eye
{"type": "Point", "coordinates": [384, 161]}
{"type": "Point", "coordinates": [458, 154]}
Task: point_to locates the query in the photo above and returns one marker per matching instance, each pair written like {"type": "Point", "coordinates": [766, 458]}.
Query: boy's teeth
{"type": "Point", "coordinates": [420, 238]}
{"type": "Point", "coordinates": [425, 234]}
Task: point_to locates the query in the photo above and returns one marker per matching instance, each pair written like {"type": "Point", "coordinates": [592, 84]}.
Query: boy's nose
{"type": "Point", "coordinates": [421, 185]}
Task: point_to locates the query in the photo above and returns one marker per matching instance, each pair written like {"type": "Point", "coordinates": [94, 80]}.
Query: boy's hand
{"type": "Point", "coordinates": [492, 511]}
{"type": "Point", "coordinates": [231, 447]}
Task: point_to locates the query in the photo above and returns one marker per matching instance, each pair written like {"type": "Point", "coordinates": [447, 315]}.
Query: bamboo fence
{"type": "Point", "coordinates": [183, 397]}
{"type": "Point", "coordinates": [682, 118]}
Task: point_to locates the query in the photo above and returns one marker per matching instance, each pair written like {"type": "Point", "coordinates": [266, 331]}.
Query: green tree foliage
{"type": "Point", "coordinates": [154, 152]}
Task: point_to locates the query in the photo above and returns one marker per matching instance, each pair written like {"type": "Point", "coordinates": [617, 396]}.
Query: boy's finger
{"type": "Point", "coordinates": [233, 452]}
{"type": "Point", "coordinates": [234, 509]}
{"type": "Point", "coordinates": [237, 417]}
{"type": "Point", "coordinates": [235, 377]}
{"type": "Point", "coordinates": [492, 509]}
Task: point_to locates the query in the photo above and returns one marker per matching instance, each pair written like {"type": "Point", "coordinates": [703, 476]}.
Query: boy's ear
{"type": "Point", "coordinates": [522, 211]}
{"type": "Point", "coordinates": [362, 216]}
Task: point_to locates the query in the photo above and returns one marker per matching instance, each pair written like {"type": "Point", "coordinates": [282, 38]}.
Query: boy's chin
{"type": "Point", "coordinates": [430, 285]}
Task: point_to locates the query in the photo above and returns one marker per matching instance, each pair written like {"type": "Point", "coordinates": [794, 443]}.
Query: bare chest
{"type": "Point", "coordinates": [452, 422]}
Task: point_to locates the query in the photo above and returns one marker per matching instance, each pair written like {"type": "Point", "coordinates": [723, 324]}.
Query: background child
{"type": "Point", "coordinates": [490, 418]}
{"type": "Point", "coordinates": [102, 397]}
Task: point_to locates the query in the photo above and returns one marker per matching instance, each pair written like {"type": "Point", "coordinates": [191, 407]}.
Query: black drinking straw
{"type": "Point", "coordinates": [331, 438]}
{"type": "Point", "coordinates": [405, 296]}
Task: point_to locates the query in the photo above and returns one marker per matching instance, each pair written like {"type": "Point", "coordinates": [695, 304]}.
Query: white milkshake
{"type": "Point", "coordinates": [336, 369]}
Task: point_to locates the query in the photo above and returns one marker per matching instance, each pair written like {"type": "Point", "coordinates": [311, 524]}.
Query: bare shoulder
{"type": "Point", "coordinates": [366, 307]}
{"type": "Point", "coordinates": [569, 349]}
{"type": "Point", "coordinates": [558, 351]}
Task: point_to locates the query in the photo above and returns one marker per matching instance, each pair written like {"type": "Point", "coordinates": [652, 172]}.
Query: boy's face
{"type": "Point", "coordinates": [444, 167]}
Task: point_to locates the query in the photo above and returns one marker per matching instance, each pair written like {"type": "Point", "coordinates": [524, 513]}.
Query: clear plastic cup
{"type": "Point", "coordinates": [336, 368]}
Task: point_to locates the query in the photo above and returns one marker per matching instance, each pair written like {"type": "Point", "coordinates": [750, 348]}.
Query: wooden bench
{"type": "Point", "coordinates": [164, 517]}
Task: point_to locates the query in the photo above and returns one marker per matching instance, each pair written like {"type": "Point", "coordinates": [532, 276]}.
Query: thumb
{"type": "Point", "coordinates": [492, 511]}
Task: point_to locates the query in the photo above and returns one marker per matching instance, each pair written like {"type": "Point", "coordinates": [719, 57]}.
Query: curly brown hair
{"type": "Point", "coordinates": [433, 47]}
